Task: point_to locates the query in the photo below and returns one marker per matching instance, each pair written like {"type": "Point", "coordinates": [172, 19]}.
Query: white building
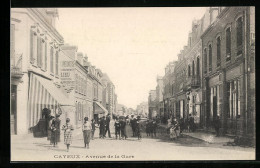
{"type": "Point", "coordinates": [35, 77]}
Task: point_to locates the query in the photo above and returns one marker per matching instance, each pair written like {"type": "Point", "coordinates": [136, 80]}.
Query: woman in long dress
{"type": "Point", "coordinates": [49, 131]}
{"type": "Point", "coordinates": [68, 128]}
{"type": "Point", "coordinates": [55, 126]}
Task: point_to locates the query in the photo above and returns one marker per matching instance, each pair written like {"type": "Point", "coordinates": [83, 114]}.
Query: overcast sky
{"type": "Point", "coordinates": [131, 45]}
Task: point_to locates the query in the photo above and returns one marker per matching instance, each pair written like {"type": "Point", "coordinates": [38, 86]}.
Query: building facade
{"type": "Point", "coordinates": [152, 113]}
{"type": "Point", "coordinates": [159, 96]}
{"type": "Point", "coordinates": [109, 100]}
{"type": "Point", "coordinates": [35, 71]}
{"type": "Point", "coordinates": [228, 71]}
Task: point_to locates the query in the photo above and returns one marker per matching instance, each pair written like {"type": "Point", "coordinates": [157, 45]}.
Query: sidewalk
{"type": "Point", "coordinates": [205, 136]}
{"type": "Point", "coordinates": [209, 137]}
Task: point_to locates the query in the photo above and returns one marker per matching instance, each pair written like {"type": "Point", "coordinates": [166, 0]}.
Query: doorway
{"type": "Point", "coordinates": [13, 117]}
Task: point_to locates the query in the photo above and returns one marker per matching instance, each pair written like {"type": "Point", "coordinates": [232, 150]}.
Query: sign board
{"type": "Point", "coordinates": [67, 74]}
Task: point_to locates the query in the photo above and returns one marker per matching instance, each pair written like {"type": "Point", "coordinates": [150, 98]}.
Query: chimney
{"type": "Point", "coordinates": [80, 57]}
{"type": "Point", "coordinates": [213, 14]}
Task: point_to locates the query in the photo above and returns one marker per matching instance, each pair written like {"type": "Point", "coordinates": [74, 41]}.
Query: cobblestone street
{"type": "Point", "coordinates": [27, 148]}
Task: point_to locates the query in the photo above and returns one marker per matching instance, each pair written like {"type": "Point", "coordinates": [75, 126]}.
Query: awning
{"type": "Point", "coordinates": [99, 109]}
{"type": "Point", "coordinates": [55, 92]}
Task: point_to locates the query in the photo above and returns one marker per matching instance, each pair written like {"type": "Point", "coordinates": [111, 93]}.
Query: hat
{"type": "Point", "coordinates": [86, 118]}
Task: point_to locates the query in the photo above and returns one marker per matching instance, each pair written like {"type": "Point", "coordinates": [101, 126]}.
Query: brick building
{"type": "Point", "coordinates": [228, 71]}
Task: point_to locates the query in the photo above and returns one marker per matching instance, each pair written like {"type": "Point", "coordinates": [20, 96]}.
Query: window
{"type": "Point", "coordinates": [228, 44]}
{"type": "Point", "coordinates": [45, 57]}
{"type": "Point", "coordinates": [39, 52]}
{"type": "Point", "coordinates": [210, 57]}
{"type": "Point", "coordinates": [76, 82]}
{"type": "Point", "coordinates": [43, 54]}
{"type": "Point", "coordinates": [218, 51]}
{"type": "Point", "coordinates": [51, 60]}
{"type": "Point", "coordinates": [79, 111]}
{"type": "Point", "coordinates": [12, 47]}
{"type": "Point", "coordinates": [189, 71]}
{"type": "Point", "coordinates": [233, 92]}
{"type": "Point", "coordinates": [205, 60]}
{"type": "Point", "coordinates": [198, 66]}
{"type": "Point", "coordinates": [57, 63]}
{"type": "Point", "coordinates": [239, 33]}
{"type": "Point", "coordinates": [33, 47]}
{"type": "Point", "coordinates": [193, 68]}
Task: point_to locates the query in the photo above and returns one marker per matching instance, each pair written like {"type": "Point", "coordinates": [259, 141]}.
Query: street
{"type": "Point", "coordinates": [28, 148]}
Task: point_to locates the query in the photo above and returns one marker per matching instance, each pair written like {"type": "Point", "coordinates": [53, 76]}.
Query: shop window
{"type": "Point", "coordinates": [210, 58]}
{"type": "Point", "coordinates": [218, 51]}
{"type": "Point", "coordinates": [205, 60]}
{"type": "Point", "coordinates": [228, 44]}
{"type": "Point", "coordinates": [233, 88]}
{"type": "Point", "coordinates": [239, 34]}
{"type": "Point", "coordinates": [228, 99]}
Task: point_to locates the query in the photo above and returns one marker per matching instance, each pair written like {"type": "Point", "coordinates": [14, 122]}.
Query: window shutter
{"type": "Point", "coordinates": [31, 46]}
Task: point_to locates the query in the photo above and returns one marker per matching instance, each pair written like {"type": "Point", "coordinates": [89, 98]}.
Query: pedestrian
{"type": "Point", "coordinates": [153, 128]}
{"type": "Point", "coordinates": [102, 127]}
{"type": "Point", "coordinates": [147, 129]}
{"type": "Point", "coordinates": [86, 129]}
{"type": "Point", "coordinates": [55, 127]}
{"type": "Point", "coordinates": [217, 125]}
{"type": "Point", "coordinates": [172, 133]}
{"type": "Point", "coordinates": [49, 130]}
{"type": "Point", "coordinates": [122, 129]}
{"type": "Point", "coordinates": [138, 129]}
{"type": "Point", "coordinates": [108, 126]}
{"type": "Point", "coordinates": [181, 125]}
{"type": "Point", "coordinates": [190, 123]}
{"type": "Point", "coordinates": [94, 125]}
{"type": "Point", "coordinates": [117, 128]}
{"type": "Point", "coordinates": [176, 127]}
{"type": "Point", "coordinates": [169, 124]}
{"type": "Point", "coordinates": [132, 125]}
{"type": "Point", "coordinates": [68, 128]}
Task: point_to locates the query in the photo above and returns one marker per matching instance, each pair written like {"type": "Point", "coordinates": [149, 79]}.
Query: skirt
{"type": "Point", "coordinates": [67, 137]}
{"type": "Point", "coordinates": [49, 132]}
{"type": "Point", "coordinates": [87, 136]}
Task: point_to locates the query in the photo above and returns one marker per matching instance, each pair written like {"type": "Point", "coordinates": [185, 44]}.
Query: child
{"type": "Point", "coordinates": [172, 133]}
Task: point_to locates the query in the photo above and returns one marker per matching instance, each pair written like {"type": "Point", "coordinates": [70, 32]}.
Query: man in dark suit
{"type": "Point", "coordinates": [102, 127]}
{"type": "Point", "coordinates": [107, 126]}
{"type": "Point", "coordinates": [122, 127]}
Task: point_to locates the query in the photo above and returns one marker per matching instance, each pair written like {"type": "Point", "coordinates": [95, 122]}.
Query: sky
{"type": "Point", "coordinates": [131, 45]}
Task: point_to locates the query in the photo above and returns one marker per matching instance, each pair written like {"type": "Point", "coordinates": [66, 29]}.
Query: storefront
{"type": "Point", "coordinates": [43, 94]}
{"type": "Point", "coordinates": [99, 110]}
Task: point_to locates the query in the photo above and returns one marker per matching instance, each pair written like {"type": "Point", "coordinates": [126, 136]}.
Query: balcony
{"type": "Point", "coordinates": [193, 82]}
{"type": "Point", "coordinates": [16, 67]}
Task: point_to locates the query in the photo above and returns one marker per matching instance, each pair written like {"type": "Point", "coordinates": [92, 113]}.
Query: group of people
{"type": "Point", "coordinates": [54, 131]}
{"type": "Point", "coordinates": [136, 126]}
{"type": "Point", "coordinates": [151, 126]}
{"type": "Point", "coordinates": [176, 126]}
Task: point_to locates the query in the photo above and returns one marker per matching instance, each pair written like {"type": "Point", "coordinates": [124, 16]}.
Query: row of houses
{"type": "Point", "coordinates": [214, 74]}
{"type": "Point", "coordinates": [46, 73]}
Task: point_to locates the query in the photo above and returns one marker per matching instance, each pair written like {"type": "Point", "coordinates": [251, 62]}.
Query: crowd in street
{"type": "Point", "coordinates": [175, 127]}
